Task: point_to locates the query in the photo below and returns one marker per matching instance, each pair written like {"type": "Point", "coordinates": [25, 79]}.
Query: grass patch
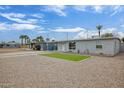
{"type": "Point", "coordinates": [71, 57]}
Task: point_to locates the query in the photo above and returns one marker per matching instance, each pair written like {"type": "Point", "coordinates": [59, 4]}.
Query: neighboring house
{"type": "Point", "coordinates": [49, 46]}
{"type": "Point", "coordinates": [10, 45]}
{"type": "Point", "coordinates": [103, 46]}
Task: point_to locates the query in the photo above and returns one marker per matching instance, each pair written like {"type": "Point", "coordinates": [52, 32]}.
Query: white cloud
{"type": "Point", "coordinates": [80, 7]}
{"type": "Point", "coordinates": [122, 25]}
{"type": "Point", "coordinates": [114, 31]}
{"type": "Point", "coordinates": [3, 26]}
{"type": "Point", "coordinates": [24, 26]}
{"type": "Point", "coordinates": [93, 8]}
{"type": "Point", "coordinates": [109, 30]}
{"type": "Point", "coordinates": [85, 34]}
{"type": "Point", "coordinates": [121, 35]}
{"type": "Point", "coordinates": [14, 15]}
{"type": "Point", "coordinates": [97, 8]}
{"type": "Point", "coordinates": [90, 33]}
{"type": "Point", "coordinates": [19, 18]}
{"type": "Point", "coordinates": [76, 29]}
{"type": "Point", "coordinates": [23, 21]}
{"type": "Point", "coordinates": [37, 15]}
{"type": "Point", "coordinates": [4, 7]}
{"type": "Point", "coordinates": [115, 10]}
{"type": "Point", "coordinates": [58, 9]}
{"type": "Point", "coordinates": [19, 27]}
{"type": "Point", "coordinates": [53, 38]}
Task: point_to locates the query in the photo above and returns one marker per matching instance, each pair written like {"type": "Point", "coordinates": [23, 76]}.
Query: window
{"type": "Point", "coordinates": [99, 46]}
{"type": "Point", "coordinates": [72, 45]}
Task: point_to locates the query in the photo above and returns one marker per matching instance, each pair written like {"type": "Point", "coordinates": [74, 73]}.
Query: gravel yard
{"type": "Point", "coordinates": [11, 50]}
{"type": "Point", "coordinates": [40, 71]}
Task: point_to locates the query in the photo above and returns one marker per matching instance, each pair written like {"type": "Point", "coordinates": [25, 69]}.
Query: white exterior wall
{"type": "Point", "coordinates": [42, 47]}
{"type": "Point", "coordinates": [117, 46]}
{"type": "Point", "coordinates": [109, 47]}
{"type": "Point", "coordinates": [89, 47]}
{"type": "Point", "coordinates": [11, 46]}
{"type": "Point", "coordinates": [63, 47]}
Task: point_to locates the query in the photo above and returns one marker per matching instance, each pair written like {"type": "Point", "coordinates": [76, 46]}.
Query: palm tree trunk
{"type": "Point", "coordinates": [99, 33]}
{"type": "Point", "coordinates": [25, 41]}
{"type": "Point", "coordinates": [22, 41]}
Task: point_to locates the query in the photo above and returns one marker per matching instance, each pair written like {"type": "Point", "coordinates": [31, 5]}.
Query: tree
{"type": "Point", "coordinates": [26, 37]}
{"type": "Point", "coordinates": [99, 27]}
{"type": "Point", "coordinates": [28, 41]}
{"type": "Point", "coordinates": [106, 35]}
{"type": "Point", "coordinates": [40, 39]}
{"type": "Point", "coordinates": [123, 39]}
{"type": "Point", "coordinates": [22, 38]}
{"type": "Point", "coordinates": [34, 40]}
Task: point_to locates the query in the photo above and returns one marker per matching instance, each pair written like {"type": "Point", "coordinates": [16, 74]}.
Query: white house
{"type": "Point", "coordinates": [10, 45]}
{"type": "Point", "coordinates": [101, 46]}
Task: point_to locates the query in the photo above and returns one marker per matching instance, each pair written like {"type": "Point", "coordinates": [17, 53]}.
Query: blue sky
{"type": "Point", "coordinates": [56, 21]}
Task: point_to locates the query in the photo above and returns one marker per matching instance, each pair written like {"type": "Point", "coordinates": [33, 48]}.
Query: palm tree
{"type": "Point", "coordinates": [22, 38]}
{"type": "Point", "coordinates": [99, 27]}
{"type": "Point", "coordinates": [28, 41]}
{"type": "Point", "coordinates": [26, 38]}
{"type": "Point", "coordinates": [40, 39]}
{"type": "Point", "coordinates": [34, 40]}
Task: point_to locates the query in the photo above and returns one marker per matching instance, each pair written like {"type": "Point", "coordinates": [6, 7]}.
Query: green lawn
{"type": "Point", "coordinates": [71, 57]}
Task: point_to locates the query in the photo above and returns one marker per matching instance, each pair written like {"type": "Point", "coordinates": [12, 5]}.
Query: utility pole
{"type": "Point", "coordinates": [47, 35]}
{"type": "Point", "coordinates": [67, 36]}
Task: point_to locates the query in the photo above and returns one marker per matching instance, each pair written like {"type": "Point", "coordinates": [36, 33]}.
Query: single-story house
{"type": "Point", "coordinates": [49, 46]}
{"type": "Point", "coordinates": [99, 46]}
{"type": "Point", "coordinates": [10, 45]}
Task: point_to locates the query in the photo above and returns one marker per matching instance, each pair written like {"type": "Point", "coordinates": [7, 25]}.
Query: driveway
{"type": "Point", "coordinates": [9, 50]}
{"type": "Point", "coordinates": [33, 70]}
